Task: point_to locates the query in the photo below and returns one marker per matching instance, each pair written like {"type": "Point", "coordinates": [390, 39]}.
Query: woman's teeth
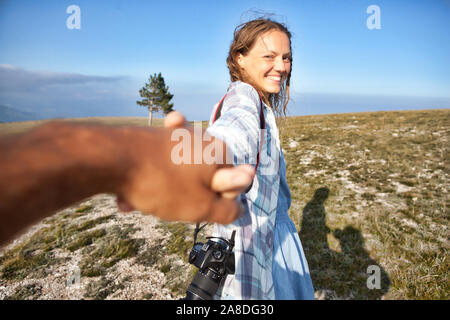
{"type": "Point", "coordinates": [274, 78]}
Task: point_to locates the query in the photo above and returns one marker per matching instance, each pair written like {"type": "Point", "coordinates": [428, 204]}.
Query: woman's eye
{"type": "Point", "coordinates": [269, 57]}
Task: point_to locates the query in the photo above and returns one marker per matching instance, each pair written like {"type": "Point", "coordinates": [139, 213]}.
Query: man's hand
{"type": "Point", "coordinates": [57, 164]}
{"type": "Point", "coordinates": [230, 181]}
{"type": "Point", "coordinates": [187, 192]}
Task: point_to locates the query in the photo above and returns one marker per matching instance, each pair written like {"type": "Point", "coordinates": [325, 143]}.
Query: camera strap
{"type": "Point", "coordinates": [197, 230]}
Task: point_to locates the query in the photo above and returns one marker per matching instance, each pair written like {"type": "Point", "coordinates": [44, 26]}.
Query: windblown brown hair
{"type": "Point", "coordinates": [245, 36]}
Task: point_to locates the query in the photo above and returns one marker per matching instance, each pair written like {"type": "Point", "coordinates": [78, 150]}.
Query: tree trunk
{"type": "Point", "coordinates": [150, 115]}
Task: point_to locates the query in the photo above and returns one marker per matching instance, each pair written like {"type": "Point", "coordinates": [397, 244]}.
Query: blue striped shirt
{"type": "Point", "coordinates": [239, 127]}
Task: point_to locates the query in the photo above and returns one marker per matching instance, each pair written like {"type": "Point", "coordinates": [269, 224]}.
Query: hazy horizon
{"type": "Point", "coordinates": [339, 64]}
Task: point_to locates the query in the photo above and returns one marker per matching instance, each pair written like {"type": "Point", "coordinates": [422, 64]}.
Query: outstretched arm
{"type": "Point", "coordinates": [58, 164]}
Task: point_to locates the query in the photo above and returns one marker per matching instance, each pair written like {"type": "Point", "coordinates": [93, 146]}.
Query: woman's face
{"type": "Point", "coordinates": [268, 63]}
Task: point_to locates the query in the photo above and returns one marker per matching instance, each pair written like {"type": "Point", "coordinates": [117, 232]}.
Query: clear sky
{"type": "Point", "coordinates": [339, 64]}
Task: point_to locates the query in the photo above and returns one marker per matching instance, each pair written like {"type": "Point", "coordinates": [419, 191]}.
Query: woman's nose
{"type": "Point", "coordinates": [280, 65]}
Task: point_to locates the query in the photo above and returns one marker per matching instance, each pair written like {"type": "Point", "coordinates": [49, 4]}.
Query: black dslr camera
{"type": "Point", "coordinates": [214, 259]}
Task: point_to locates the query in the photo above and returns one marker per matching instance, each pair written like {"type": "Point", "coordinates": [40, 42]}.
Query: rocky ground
{"type": "Point", "coordinates": [90, 251]}
{"type": "Point", "coordinates": [369, 190]}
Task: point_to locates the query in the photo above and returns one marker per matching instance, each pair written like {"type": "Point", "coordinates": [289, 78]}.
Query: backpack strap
{"type": "Point", "coordinates": [262, 125]}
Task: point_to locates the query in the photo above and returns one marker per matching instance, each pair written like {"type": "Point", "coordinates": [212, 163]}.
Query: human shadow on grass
{"type": "Point", "coordinates": [344, 275]}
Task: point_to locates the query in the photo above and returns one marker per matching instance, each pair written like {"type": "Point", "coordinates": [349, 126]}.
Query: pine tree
{"type": "Point", "coordinates": [156, 96]}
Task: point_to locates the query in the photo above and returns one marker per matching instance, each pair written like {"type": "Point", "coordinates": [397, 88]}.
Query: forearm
{"type": "Point", "coordinates": [243, 145]}
{"type": "Point", "coordinates": [58, 164]}
{"type": "Point", "coordinates": [54, 166]}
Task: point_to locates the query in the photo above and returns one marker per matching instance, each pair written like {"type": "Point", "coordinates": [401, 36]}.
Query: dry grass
{"type": "Point", "coordinates": [19, 127]}
{"type": "Point", "coordinates": [367, 189]}
{"type": "Point", "coordinates": [118, 257]}
{"type": "Point", "coordinates": [372, 189]}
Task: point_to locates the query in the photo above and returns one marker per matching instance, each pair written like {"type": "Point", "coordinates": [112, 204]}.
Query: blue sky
{"type": "Point", "coordinates": [339, 64]}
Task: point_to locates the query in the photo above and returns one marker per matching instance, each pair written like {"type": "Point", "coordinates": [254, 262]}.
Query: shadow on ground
{"type": "Point", "coordinates": [349, 274]}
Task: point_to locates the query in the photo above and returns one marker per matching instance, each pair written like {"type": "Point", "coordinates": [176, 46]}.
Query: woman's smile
{"type": "Point", "coordinates": [275, 79]}
{"type": "Point", "coordinates": [268, 62]}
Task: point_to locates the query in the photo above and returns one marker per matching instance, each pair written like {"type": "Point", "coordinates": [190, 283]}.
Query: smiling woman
{"type": "Point", "coordinates": [269, 258]}
{"type": "Point", "coordinates": [261, 55]}
{"type": "Point", "coordinates": [264, 67]}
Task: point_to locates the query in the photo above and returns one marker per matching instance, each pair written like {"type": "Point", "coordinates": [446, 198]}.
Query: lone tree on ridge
{"type": "Point", "coordinates": [155, 96]}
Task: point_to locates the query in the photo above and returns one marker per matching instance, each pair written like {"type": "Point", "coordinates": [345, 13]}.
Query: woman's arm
{"type": "Point", "coordinates": [239, 124]}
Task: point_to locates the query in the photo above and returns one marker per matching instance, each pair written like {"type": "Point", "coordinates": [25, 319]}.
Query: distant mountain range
{"type": "Point", "coordinates": [8, 114]}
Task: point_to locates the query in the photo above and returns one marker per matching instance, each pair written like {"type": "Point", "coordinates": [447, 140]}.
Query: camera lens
{"type": "Point", "coordinates": [215, 260]}
{"type": "Point", "coordinates": [204, 285]}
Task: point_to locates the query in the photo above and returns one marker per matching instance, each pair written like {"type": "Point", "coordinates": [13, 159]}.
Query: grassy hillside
{"type": "Point", "coordinates": [18, 127]}
{"type": "Point", "coordinates": [368, 189]}
{"type": "Point", "coordinates": [372, 189]}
